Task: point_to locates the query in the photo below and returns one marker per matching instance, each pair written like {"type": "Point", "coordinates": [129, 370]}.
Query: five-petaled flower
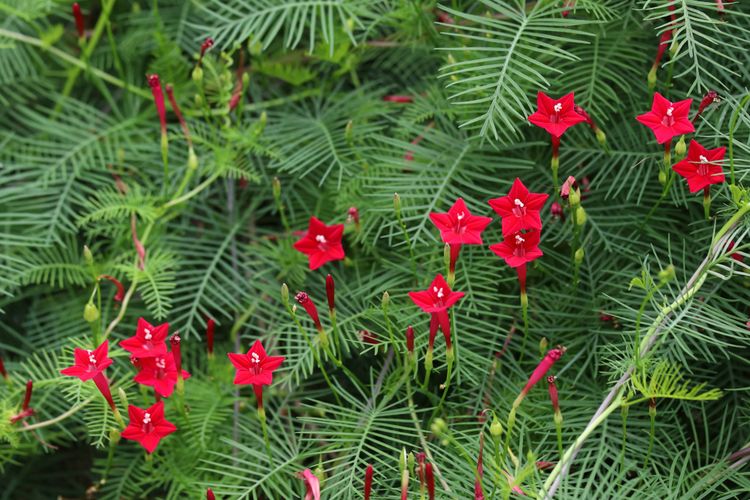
{"type": "Point", "coordinates": [322, 243]}
{"type": "Point", "coordinates": [555, 115]}
{"type": "Point", "coordinates": [458, 226]}
{"type": "Point", "coordinates": [148, 341]}
{"type": "Point", "coordinates": [701, 167]}
{"type": "Point", "coordinates": [159, 372]}
{"type": "Point", "coordinates": [518, 248]}
{"type": "Point", "coordinates": [312, 484]}
{"type": "Point", "coordinates": [667, 119]}
{"type": "Point", "coordinates": [255, 367]}
{"type": "Point", "coordinates": [436, 300]}
{"type": "Point", "coordinates": [149, 426]}
{"type": "Point", "coordinates": [519, 209]}
{"type": "Point", "coordinates": [90, 365]}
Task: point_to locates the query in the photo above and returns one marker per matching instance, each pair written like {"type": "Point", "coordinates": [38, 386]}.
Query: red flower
{"type": "Point", "coordinates": [555, 115]}
{"type": "Point", "coordinates": [701, 167]}
{"type": "Point", "coordinates": [255, 367]}
{"type": "Point", "coordinates": [161, 110]}
{"type": "Point", "coordinates": [159, 372]}
{"type": "Point", "coordinates": [148, 341]}
{"type": "Point", "coordinates": [321, 243]}
{"type": "Point", "coordinates": [312, 484]}
{"type": "Point", "coordinates": [436, 300]}
{"type": "Point", "coordinates": [519, 209]}
{"type": "Point", "coordinates": [148, 427]}
{"type": "Point", "coordinates": [458, 226]}
{"type": "Point", "coordinates": [120, 294]}
{"type": "Point", "coordinates": [667, 119]}
{"type": "Point", "coordinates": [518, 248]}
{"type": "Point", "coordinates": [90, 365]}
{"type": "Point", "coordinates": [542, 368]}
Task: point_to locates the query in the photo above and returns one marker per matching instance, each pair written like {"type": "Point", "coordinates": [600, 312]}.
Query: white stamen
{"type": "Point", "coordinates": [460, 216]}
{"type": "Point", "coordinates": [161, 363]}
{"type": "Point", "coordinates": [440, 293]}
{"type": "Point", "coordinates": [519, 239]}
{"type": "Point", "coordinates": [320, 238]}
{"type": "Point", "coordinates": [558, 107]}
{"type": "Point", "coordinates": [148, 335]}
{"type": "Point", "coordinates": [146, 418]}
{"type": "Point", "coordinates": [518, 203]}
{"type": "Point", "coordinates": [256, 358]}
{"type": "Point", "coordinates": [670, 110]}
{"type": "Point", "coordinates": [703, 159]}
{"type": "Point", "coordinates": [92, 358]}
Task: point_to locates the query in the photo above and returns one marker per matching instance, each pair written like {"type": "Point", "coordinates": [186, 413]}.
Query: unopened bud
{"type": "Point", "coordinates": [680, 149]}
{"type": "Point", "coordinates": [386, 299]}
{"type": "Point", "coordinates": [402, 460]}
{"type": "Point", "coordinates": [276, 184]}
{"type": "Point", "coordinates": [90, 312]}
{"type": "Point", "coordinates": [579, 256]}
{"type": "Point", "coordinates": [575, 196]}
{"type": "Point", "coordinates": [123, 397]}
{"type": "Point", "coordinates": [397, 204]}
{"type": "Point", "coordinates": [285, 294]}
{"type": "Point", "coordinates": [496, 428]}
{"type": "Point", "coordinates": [88, 256]}
{"type": "Point", "coordinates": [348, 131]}
{"type": "Point", "coordinates": [197, 74]}
{"type": "Point", "coordinates": [438, 427]}
{"type": "Point", "coordinates": [580, 216]}
{"type": "Point", "coordinates": [667, 274]}
{"type": "Point", "coordinates": [662, 177]}
{"type": "Point", "coordinates": [652, 408]}
{"type": "Point", "coordinates": [192, 160]}
{"type": "Point", "coordinates": [410, 461]}
{"type": "Point", "coordinates": [652, 78]}
{"type": "Point", "coordinates": [543, 345]}
{"type": "Point", "coordinates": [601, 136]}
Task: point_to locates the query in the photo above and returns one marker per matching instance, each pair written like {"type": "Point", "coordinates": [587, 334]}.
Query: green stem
{"type": "Point", "coordinates": [732, 126]}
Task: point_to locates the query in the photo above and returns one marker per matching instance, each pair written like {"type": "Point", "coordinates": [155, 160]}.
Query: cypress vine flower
{"type": "Point", "coordinates": [667, 119]}
{"type": "Point", "coordinates": [210, 494]}
{"type": "Point", "coordinates": [312, 484]}
{"type": "Point", "coordinates": [161, 110]}
{"type": "Point", "coordinates": [255, 367]}
{"type": "Point", "coordinates": [148, 341]}
{"type": "Point", "coordinates": [459, 227]}
{"type": "Point", "coordinates": [555, 115]}
{"type": "Point", "coordinates": [711, 97]}
{"type": "Point", "coordinates": [120, 294]}
{"type": "Point", "coordinates": [436, 301]}
{"type": "Point", "coordinates": [149, 426]}
{"type": "Point", "coordinates": [430, 480]}
{"type": "Point", "coordinates": [368, 481]}
{"type": "Point", "coordinates": [161, 373]}
{"type": "Point", "coordinates": [520, 209]}
{"type": "Point", "coordinates": [80, 25]}
{"type": "Point", "coordinates": [305, 301]}
{"type": "Point", "coordinates": [702, 167]}
{"type": "Point", "coordinates": [90, 365]}
{"type": "Point", "coordinates": [552, 356]}
{"type": "Point", "coordinates": [321, 243]}
{"type": "Point", "coordinates": [518, 249]}
{"type": "Point", "coordinates": [26, 411]}
{"type": "Point", "coordinates": [331, 293]}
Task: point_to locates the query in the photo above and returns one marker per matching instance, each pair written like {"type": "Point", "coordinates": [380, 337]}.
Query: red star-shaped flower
{"type": "Point", "coordinates": [148, 427]}
{"type": "Point", "coordinates": [520, 209]}
{"type": "Point", "coordinates": [159, 372]}
{"type": "Point", "coordinates": [667, 119]}
{"type": "Point", "coordinates": [701, 167]}
{"type": "Point", "coordinates": [255, 367]}
{"type": "Point", "coordinates": [89, 364]}
{"type": "Point", "coordinates": [437, 298]}
{"type": "Point", "coordinates": [148, 341]}
{"type": "Point", "coordinates": [518, 248]}
{"type": "Point", "coordinates": [555, 115]}
{"type": "Point", "coordinates": [458, 226]}
{"type": "Point", "coordinates": [321, 243]}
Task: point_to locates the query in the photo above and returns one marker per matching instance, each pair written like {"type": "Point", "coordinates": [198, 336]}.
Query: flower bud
{"type": "Point", "coordinates": [543, 345]}
{"type": "Point", "coordinates": [680, 149]}
{"type": "Point", "coordinates": [496, 428]}
{"type": "Point", "coordinates": [349, 131]}
{"type": "Point", "coordinates": [397, 204]}
{"type": "Point", "coordinates": [438, 427]}
{"type": "Point", "coordinates": [652, 408]}
{"type": "Point", "coordinates": [667, 274]}
{"type": "Point", "coordinates": [575, 196]}
{"type": "Point", "coordinates": [276, 186]}
{"type": "Point", "coordinates": [556, 210]}
{"type": "Point", "coordinates": [197, 74]}
{"type": "Point", "coordinates": [652, 79]}
{"type": "Point", "coordinates": [88, 256]}
{"type": "Point", "coordinates": [579, 256]}
{"type": "Point", "coordinates": [601, 136]}
{"type": "Point", "coordinates": [580, 216]}
{"type": "Point", "coordinates": [410, 460]}
{"type": "Point", "coordinates": [402, 460]}
{"type": "Point", "coordinates": [90, 312]}
{"type": "Point", "coordinates": [123, 397]}
{"type": "Point", "coordinates": [192, 160]}
{"type": "Point", "coordinates": [331, 292]}
{"type": "Point", "coordinates": [386, 299]}
{"type": "Point", "coordinates": [410, 339]}
{"type": "Point", "coordinates": [662, 177]}
{"type": "Point", "coordinates": [285, 294]}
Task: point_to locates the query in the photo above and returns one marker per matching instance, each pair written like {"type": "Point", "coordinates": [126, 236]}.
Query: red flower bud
{"type": "Point", "coordinates": [155, 84]}
{"type": "Point", "coordinates": [430, 480]}
{"type": "Point", "coordinates": [553, 393]}
{"type": "Point", "coordinates": [177, 353]}
{"type": "Point", "coordinates": [207, 44]}
{"type": "Point", "coordinates": [711, 97]}
{"type": "Point", "coordinates": [139, 248]}
{"type": "Point", "coordinates": [210, 494]}
{"type": "Point", "coordinates": [176, 109]}
{"type": "Point", "coordinates": [210, 325]}
{"type": "Point", "coordinates": [570, 183]}
{"type": "Point", "coordinates": [2, 369]}
{"type": "Point", "coordinates": [306, 302]}
{"type": "Point", "coordinates": [540, 371]}
{"type": "Point", "coordinates": [25, 410]}
{"type": "Point", "coordinates": [410, 339]}
{"type": "Point", "coordinates": [331, 292]}
{"type": "Point", "coordinates": [368, 337]}
{"type": "Point", "coordinates": [402, 99]}
{"type": "Point", "coordinates": [353, 215]}
{"type": "Point", "coordinates": [120, 294]}
{"type": "Point", "coordinates": [368, 481]}
{"type": "Point", "coordinates": [78, 16]}
{"type": "Point", "coordinates": [556, 210]}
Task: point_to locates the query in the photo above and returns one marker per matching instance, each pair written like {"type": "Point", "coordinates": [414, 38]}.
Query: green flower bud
{"type": "Point", "coordinates": [386, 299]}
{"type": "Point", "coordinates": [90, 312]}
{"type": "Point", "coordinates": [543, 344]}
{"type": "Point", "coordinates": [285, 294]}
{"type": "Point", "coordinates": [496, 428]}
{"type": "Point", "coordinates": [574, 198]}
{"type": "Point", "coordinates": [601, 137]}
{"type": "Point", "coordinates": [123, 397]}
{"type": "Point", "coordinates": [263, 119]}
{"type": "Point", "coordinates": [397, 204]}
{"type": "Point", "coordinates": [402, 460]}
{"type": "Point", "coordinates": [198, 75]}
{"type": "Point", "coordinates": [192, 159]}
{"type": "Point", "coordinates": [198, 100]}
{"type": "Point", "coordinates": [88, 256]}
{"type": "Point", "coordinates": [652, 79]}
{"type": "Point", "coordinates": [320, 473]}
{"type": "Point", "coordinates": [410, 460]}
{"type": "Point", "coordinates": [580, 216]}
{"type": "Point", "coordinates": [438, 427]}
{"type": "Point", "coordinates": [579, 256]}
{"type": "Point", "coordinates": [662, 177]}
{"type": "Point", "coordinates": [245, 80]}
{"type": "Point", "coordinates": [680, 148]}
{"type": "Point", "coordinates": [276, 184]}
{"type": "Point", "coordinates": [348, 131]}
